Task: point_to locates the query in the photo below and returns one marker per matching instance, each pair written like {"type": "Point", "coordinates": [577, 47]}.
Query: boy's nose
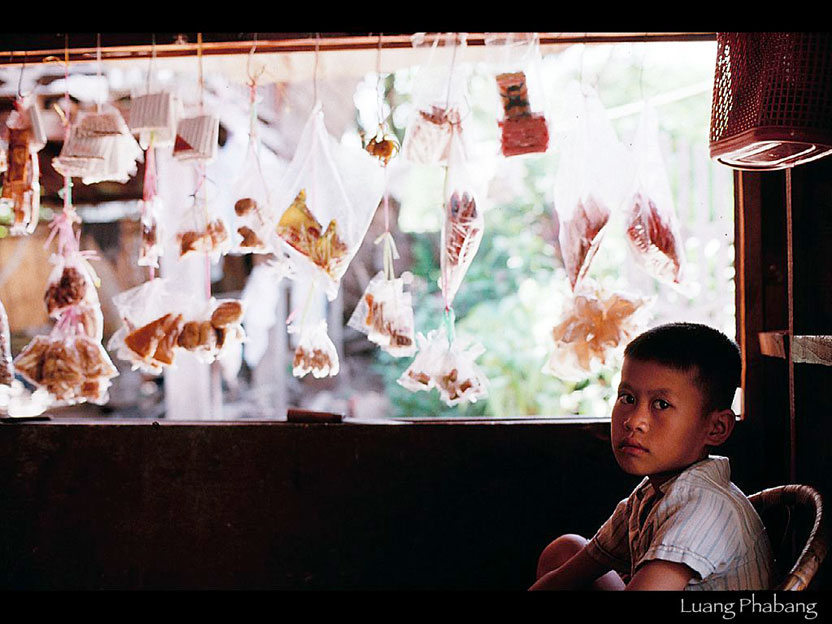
{"type": "Point", "coordinates": [636, 421]}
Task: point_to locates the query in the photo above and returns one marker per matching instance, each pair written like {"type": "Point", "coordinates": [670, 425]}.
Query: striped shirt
{"type": "Point", "coordinates": [699, 518]}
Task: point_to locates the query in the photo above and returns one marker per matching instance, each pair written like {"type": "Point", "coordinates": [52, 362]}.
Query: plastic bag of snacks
{"type": "Point", "coordinates": [253, 207]}
{"type": "Point", "coordinates": [438, 101]}
{"type": "Point", "coordinates": [21, 180]}
{"type": "Point", "coordinates": [524, 129]}
{"type": "Point", "coordinates": [326, 203]}
{"type": "Point", "coordinates": [197, 138]}
{"type": "Point", "coordinates": [158, 321]}
{"type": "Point", "coordinates": [6, 368]}
{"type": "Point", "coordinates": [200, 231]}
{"type": "Point", "coordinates": [649, 213]}
{"type": "Point", "coordinates": [100, 148]}
{"type": "Point", "coordinates": [462, 228]}
{"type": "Point", "coordinates": [154, 117]}
{"type": "Point", "coordinates": [385, 314]}
{"type": "Point", "coordinates": [594, 327]}
{"type": "Point", "coordinates": [72, 367]}
{"type": "Point", "coordinates": [585, 190]}
{"type": "Point", "coordinates": [315, 352]}
{"type": "Point", "coordinates": [70, 283]}
{"type": "Point", "coordinates": [450, 368]}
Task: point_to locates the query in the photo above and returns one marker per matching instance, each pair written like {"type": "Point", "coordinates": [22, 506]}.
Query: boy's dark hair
{"type": "Point", "coordinates": [687, 346]}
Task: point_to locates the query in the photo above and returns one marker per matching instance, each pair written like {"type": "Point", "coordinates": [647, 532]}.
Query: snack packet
{"type": "Point", "coordinates": [252, 207]}
{"type": "Point", "coordinates": [325, 205]}
{"type": "Point", "coordinates": [462, 228]}
{"type": "Point", "coordinates": [438, 102]}
{"type": "Point", "coordinates": [585, 191]}
{"type": "Point", "coordinates": [153, 117]}
{"type": "Point", "coordinates": [594, 328]}
{"type": "Point", "coordinates": [385, 314]}
{"type": "Point", "coordinates": [21, 180]}
{"type": "Point", "coordinates": [649, 214]}
{"type": "Point", "coordinates": [524, 129]}
{"type": "Point", "coordinates": [73, 368]}
{"type": "Point", "coordinates": [70, 283]}
{"type": "Point", "coordinates": [197, 138]}
{"type": "Point", "coordinates": [315, 352]}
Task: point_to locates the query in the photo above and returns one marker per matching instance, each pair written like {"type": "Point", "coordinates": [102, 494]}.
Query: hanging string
{"type": "Point", "coordinates": [315, 70]}
{"type": "Point", "coordinates": [98, 102]}
{"type": "Point", "coordinates": [201, 79]}
{"type": "Point", "coordinates": [451, 69]}
{"type": "Point", "coordinates": [20, 78]}
{"type": "Point", "coordinates": [151, 62]}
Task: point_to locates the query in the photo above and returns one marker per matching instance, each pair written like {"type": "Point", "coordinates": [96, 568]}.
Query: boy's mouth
{"type": "Point", "coordinates": [632, 447]}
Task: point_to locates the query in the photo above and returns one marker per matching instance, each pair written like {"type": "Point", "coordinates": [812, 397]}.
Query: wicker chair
{"type": "Point", "coordinates": [779, 507]}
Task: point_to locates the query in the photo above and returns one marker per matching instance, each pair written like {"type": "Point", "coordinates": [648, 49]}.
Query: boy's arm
{"type": "Point", "coordinates": [577, 573]}
{"type": "Point", "coordinates": [661, 575]}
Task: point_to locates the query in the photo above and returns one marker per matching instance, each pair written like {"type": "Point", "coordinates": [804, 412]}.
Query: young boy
{"type": "Point", "coordinates": [685, 526]}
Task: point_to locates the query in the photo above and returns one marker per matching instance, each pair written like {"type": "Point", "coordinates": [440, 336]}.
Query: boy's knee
{"type": "Point", "coordinates": [558, 552]}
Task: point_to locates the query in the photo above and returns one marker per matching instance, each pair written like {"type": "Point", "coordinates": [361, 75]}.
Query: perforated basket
{"type": "Point", "coordinates": [772, 99]}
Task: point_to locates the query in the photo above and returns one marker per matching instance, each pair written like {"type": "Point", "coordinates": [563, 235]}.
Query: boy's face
{"type": "Point", "coordinates": [657, 421]}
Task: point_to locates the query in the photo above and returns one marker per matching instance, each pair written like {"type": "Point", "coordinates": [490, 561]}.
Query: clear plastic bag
{"type": "Point", "coordinates": [315, 352]}
{"type": "Point", "coordinates": [70, 283]}
{"type": "Point", "coordinates": [523, 124]}
{"type": "Point", "coordinates": [450, 368]}
{"type": "Point", "coordinates": [587, 186]}
{"type": "Point", "coordinates": [594, 328]}
{"type": "Point", "coordinates": [6, 368]}
{"type": "Point", "coordinates": [200, 231]}
{"type": "Point", "coordinates": [21, 180]}
{"type": "Point", "coordinates": [253, 207]}
{"type": "Point", "coordinates": [649, 214]}
{"type": "Point", "coordinates": [329, 196]}
{"type": "Point", "coordinates": [462, 228]}
{"type": "Point", "coordinates": [385, 314]}
{"type": "Point", "coordinates": [73, 368]}
{"type": "Point", "coordinates": [438, 102]}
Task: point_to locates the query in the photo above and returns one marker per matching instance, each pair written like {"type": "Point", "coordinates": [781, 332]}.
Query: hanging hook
{"type": "Point", "coordinates": [20, 93]}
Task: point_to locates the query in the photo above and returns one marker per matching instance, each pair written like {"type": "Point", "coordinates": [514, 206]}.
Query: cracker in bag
{"type": "Point", "coordinates": [315, 352]}
{"type": "Point", "coordinates": [385, 314]}
{"type": "Point", "coordinates": [21, 180]}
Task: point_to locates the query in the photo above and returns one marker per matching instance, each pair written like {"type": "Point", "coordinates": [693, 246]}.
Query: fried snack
{"type": "Point", "coordinates": [20, 182]}
{"type": "Point", "coordinates": [299, 228]}
{"type": "Point", "coordinates": [198, 335]}
{"type": "Point", "coordinates": [316, 361]}
{"type": "Point", "coordinates": [383, 146]}
{"type": "Point", "coordinates": [251, 240]}
{"type": "Point", "coordinates": [227, 313]}
{"type": "Point", "coordinates": [6, 368]}
{"type": "Point", "coordinates": [154, 342]}
{"type": "Point", "coordinates": [653, 239]}
{"type": "Point", "coordinates": [245, 206]}
{"type": "Point", "coordinates": [454, 387]}
{"type": "Point", "coordinates": [210, 240]}
{"type": "Point", "coordinates": [524, 135]}
{"type": "Point", "coordinates": [581, 235]}
{"type": "Point", "coordinates": [70, 289]}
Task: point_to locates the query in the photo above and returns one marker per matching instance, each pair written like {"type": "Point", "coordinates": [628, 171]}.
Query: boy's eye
{"type": "Point", "coordinates": [661, 404]}
{"type": "Point", "coordinates": [625, 398]}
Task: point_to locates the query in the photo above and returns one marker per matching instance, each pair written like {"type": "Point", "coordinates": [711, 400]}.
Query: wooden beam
{"type": "Point", "coordinates": [805, 349]}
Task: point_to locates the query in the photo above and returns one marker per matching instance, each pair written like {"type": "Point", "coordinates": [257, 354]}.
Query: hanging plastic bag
{"type": "Point", "coordinates": [215, 331]}
{"type": "Point", "coordinates": [252, 206]}
{"type": "Point", "coordinates": [21, 180]}
{"type": "Point", "coordinates": [438, 101]}
{"type": "Point", "coordinates": [385, 314]}
{"type": "Point", "coordinates": [649, 213]}
{"type": "Point", "coordinates": [326, 204]}
{"type": "Point", "coordinates": [315, 352]}
{"type": "Point", "coordinates": [450, 368]}
{"type": "Point", "coordinates": [6, 368]}
{"type": "Point", "coordinates": [100, 148]}
{"type": "Point", "coordinates": [523, 125]}
{"type": "Point", "coordinates": [587, 186]}
{"type": "Point", "coordinates": [462, 228]}
{"type": "Point", "coordinates": [154, 117]}
{"type": "Point", "coordinates": [594, 327]}
{"type": "Point", "coordinates": [72, 368]}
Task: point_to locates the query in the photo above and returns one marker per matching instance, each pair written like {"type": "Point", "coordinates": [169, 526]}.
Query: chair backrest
{"type": "Point", "coordinates": [790, 498]}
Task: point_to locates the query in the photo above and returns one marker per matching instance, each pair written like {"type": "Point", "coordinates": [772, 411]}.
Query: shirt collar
{"type": "Point", "coordinates": [715, 467]}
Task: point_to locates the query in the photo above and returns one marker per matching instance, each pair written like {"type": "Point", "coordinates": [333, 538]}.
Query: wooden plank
{"type": "Point", "coordinates": [806, 349]}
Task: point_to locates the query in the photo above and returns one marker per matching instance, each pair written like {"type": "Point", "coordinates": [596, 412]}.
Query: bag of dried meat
{"type": "Point", "coordinates": [522, 121]}
{"type": "Point", "coordinates": [253, 210]}
{"type": "Point", "coordinates": [649, 214]}
{"type": "Point", "coordinates": [385, 314]}
{"type": "Point", "coordinates": [325, 204]}
{"type": "Point", "coordinates": [462, 227]}
{"type": "Point", "coordinates": [70, 283]}
{"type": "Point", "coordinates": [315, 352]}
{"type": "Point", "coordinates": [594, 328]}
{"type": "Point", "coordinates": [588, 183]}
{"type": "Point", "coordinates": [439, 103]}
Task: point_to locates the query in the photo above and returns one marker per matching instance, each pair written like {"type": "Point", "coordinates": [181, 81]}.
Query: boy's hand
{"type": "Point", "coordinates": [661, 575]}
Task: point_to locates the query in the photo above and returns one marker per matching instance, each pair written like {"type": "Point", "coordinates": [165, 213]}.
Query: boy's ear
{"type": "Point", "coordinates": [721, 424]}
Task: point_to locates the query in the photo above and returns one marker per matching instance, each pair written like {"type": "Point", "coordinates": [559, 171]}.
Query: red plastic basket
{"type": "Point", "coordinates": [772, 99]}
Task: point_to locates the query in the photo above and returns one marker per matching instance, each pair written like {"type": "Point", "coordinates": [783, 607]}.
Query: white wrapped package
{"type": "Point", "coordinates": [315, 352]}
{"type": "Point", "coordinates": [197, 138]}
{"type": "Point", "coordinates": [154, 116]}
{"type": "Point", "coordinates": [385, 314]}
